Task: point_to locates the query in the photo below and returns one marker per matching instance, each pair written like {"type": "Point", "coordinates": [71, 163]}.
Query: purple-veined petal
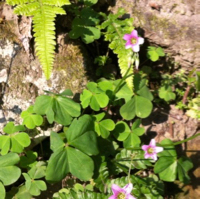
{"type": "Point", "coordinates": [112, 197]}
{"type": "Point", "coordinates": [134, 33]}
{"type": "Point", "coordinates": [127, 37]}
{"type": "Point", "coordinates": [152, 142]}
{"type": "Point", "coordinates": [145, 147]}
{"type": "Point", "coordinates": [128, 188]}
{"type": "Point", "coordinates": [140, 40]}
{"type": "Point", "coordinates": [158, 149]}
{"type": "Point", "coordinates": [136, 48]}
{"type": "Point", "coordinates": [116, 189]}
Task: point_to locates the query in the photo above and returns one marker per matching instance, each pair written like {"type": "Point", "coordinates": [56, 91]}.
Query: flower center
{"type": "Point", "coordinates": [133, 40]}
{"type": "Point", "coordinates": [150, 150]}
{"type": "Point", "coordinates": [121, 196]}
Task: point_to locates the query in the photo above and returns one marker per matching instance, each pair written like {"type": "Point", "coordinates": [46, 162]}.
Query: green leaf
{"type": "Point", "coordinates": [103, 127]}
{"type": "Point", "coordinates": [31, 120]}
{"type": "Point", "coordinates": [166, 167]}
{"type": "Point", "coordinates": [137, 106]}
{"type": "Point", "coordinates": [124, 159]}
{"type": "Point", "coordinates": [34, 186]}
{"type": "Point", "coordinates": [2, 191]}
{"type": "Point", "coordinates": [69, 160]}
{"type": "Point", "coordinates": [166, 93]}
{"type": "Point", "coordinates": [29, 160]}
{"type": "Point", "coordinates": [121, 131]}
{"type": "Point", "coordinates": [94, 97]}
{"type": "Point", "coordinates": [38, 170]}
{"type": "Point", "coordinates": [19, 142]}
{"type": "Point", "coordinates": [90, 2]}
{"type": "Point", "coordinates": [84, 25]}
{"type": "Point", "coordinates": [154, 53]}
{"type": "Point", "coordinates": [56, 141]}
{"type": "Point", "coordinates": [184, 165]}
{"type": "Point", "coordinates": [8, 172]}
{"type": "Point", "coordinates": [81, 135]}
{"type": "Point", "coordinates": [10, 128]}
{"type": "Point", "coordinates": [14, 142]}
{"type": "Point", "coordinates": [57, 108]}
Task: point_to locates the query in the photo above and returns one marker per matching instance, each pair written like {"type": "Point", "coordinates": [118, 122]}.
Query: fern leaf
{"type": "Point", "coordinates": [19, 2]}
{"type": "Point", "coordinates": [56, 2]}
{"type": "Point", "coordinates": [116, 29]}
{"type": "Point", "coordinates": [26, 9]}
{"type": "Point", "coordinates": [44, 13]}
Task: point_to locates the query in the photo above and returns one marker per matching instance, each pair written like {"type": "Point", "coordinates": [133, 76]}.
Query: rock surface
{"type": "Point", "coordinates": [171, 24]}
{"type": "Point", "coordinates": [21, 77]}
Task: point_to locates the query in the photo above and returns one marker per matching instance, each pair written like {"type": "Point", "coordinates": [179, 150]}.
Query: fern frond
{"type": "Point", "coordinates": [18, 2]}
{"type": "Point", "coordinates": [44, 13]}
{"type": "Point", "coordinates": [26, 9]}
{"type": "Point", "coordinates": [56, 2]}
{"type": "Point", "coordinates": [116, 29]}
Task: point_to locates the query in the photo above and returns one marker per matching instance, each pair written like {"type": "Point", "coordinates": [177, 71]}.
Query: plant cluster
{"type": "Point", "coordinates": [101, 145]}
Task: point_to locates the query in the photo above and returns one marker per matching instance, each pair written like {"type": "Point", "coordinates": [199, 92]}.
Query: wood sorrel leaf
{"type": "Point", "coordinates": [68, 160]}
{"type": "Point", "coordinates": [137, 106]}
{"type": "Point", "coordinates": [8, 172]}
{"type": "Point", "coordinates": [14, 142]}
{"type": "Point", "coordinates": [31, 120]}
{"type": "Point", "coordinates": [94, 97]}
{"type": "Point", "coordinates": [57, 108]}
{"type": "Point", "coordinates": [2, 190]}
{"type": "Point", "coordinates": [81, 135]}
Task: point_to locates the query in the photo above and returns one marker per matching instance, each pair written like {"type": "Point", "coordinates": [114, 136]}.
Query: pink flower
{"type": "Point", "coordinates": [133, 41]}
{"type": "Point", "coordinates": [122, 193]}
{"type": "Point", "coordinates": [151, 150]}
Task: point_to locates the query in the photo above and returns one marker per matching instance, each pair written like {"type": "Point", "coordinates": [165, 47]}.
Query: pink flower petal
{"type": "Point", "coordinates": [128, 188]}
{"type": "Point", "coordinates": [154, 156]}
{"type": "Point", "coordinates": [136, 48]}
{"type": "Point", "coordinates": [158, 149]}
{"type": "Point", "coordinates": [146, 155]}
{"type": "Point", "coordinates": [116, 189]}
{"type": "Point", "coordinates": [128, 45]}
{"type": "Point", "coordinates": [134, 34]}
{"type": "Point", "coordinates": [152, 142]}
{"type": "Point", "coordinates": [145, 147]}
{"type": "Point", "coordinates": [127, 37]}
{"type": "Point", "coordinates": [140, 40]}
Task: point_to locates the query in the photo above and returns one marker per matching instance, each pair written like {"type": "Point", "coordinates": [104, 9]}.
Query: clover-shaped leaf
{"type": "Point", "coordinates": [129, 137]}
{"type": "Point", "coordinates": [154, 53]}
{"type": "Point", "coordinates": [103, 127]}
{"type": "Point", "coordinates": [169, 167]}
{"type": "Point", "coordinates": [2, 190]}
{"type": "Point", "coordinates": [137, 106]}
{"type": "Point", "coordinates": [32, 185]}
{"type": "Point", "coordinates": [57, 108]}
{"type": "Point", "coordinates": [73, 156]}
{"type": "Point", "coordinates": [166, 93]}
{"type": "Point", "coordinates": [94, 97]}
{"type": "Point", "coordinates": [31, 120]}
{"type": "Point", "coordinates": [11, 128]}
{"type": "Point", "coordinates": [84, 25]}
{"type": "Point", "coordinates": [29, 160]}
{"type": "Point", "coordinates": [9, 173]}
{"type": "Point", "coordinates": [15, 142]}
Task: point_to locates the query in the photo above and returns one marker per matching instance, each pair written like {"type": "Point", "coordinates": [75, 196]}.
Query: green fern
{"type": "Point", "coordinates": [44, 13]}
{"type": "Point", "coordinates": [116, 29]}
